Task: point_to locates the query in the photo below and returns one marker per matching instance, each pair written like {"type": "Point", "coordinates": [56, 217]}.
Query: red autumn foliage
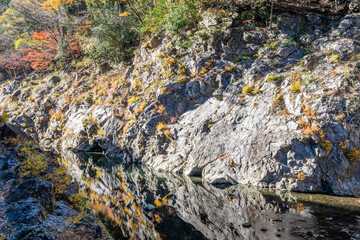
{"type": "Point", "coordinates": [43, 51]}
{"type": "Point", "coordinates": [75, 47]}
{"type": "Point", "coordinates": [12, 62]}
{"type": "Point", "coordinates": [39, 56]}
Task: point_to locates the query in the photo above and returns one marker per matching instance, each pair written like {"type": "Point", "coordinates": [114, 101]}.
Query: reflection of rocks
{"type": "Point", "coordinates": [29, 207]}
{"type": "Point", "coordinates": [189, 210]}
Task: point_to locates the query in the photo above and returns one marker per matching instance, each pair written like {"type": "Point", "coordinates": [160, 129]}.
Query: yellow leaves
{"type": "Point", "coordinates": [326, 144]}
{"type": "Point", "coordinates": [231, 68]}
{"type": "Point", "coordinates": [344, 145]}
{"type": "Point", "coordinates": [160, 127]}
{"type": "Point", "coordinates": [127, 211]}
{"type": "Point", "coordinates": [4, 117]}
{"type": "Point", "coordinates": [141, 108]}
{"type": "Point", "coordinates": [221, 12]}
{"type": "Point", "coordinates": [309, 127]}
{"type": "Point", "coordinates": [166, 199]}
{"type": "Point", "coordinates": [167, 133]}
{"type": "Point", "coordinates": [160, 108]}
{"type": "Point", "coordinates": [171, 61]}
{"type": "Point", "coordinates": [100, 132]}
{"type": "Point", "coordinates": [299, 207]}
{"type": "Point", "coordinates": [301, 176]}
{"type": "Point", "coordinates": [99, 173]}
{"type": "Point", "coordinates": [157, 218]}
{"type": "Point", "coordinates": [163, 90]}
{"type": "Point", "coordinates": [123, 185]}
{"type": "Point", "coordinates": [302, 123]}
{"type": "Point", "coordinates": [231, 162]}
{"type": "Point", "coordinates": [354, 154]}
{"type": "Point", "coordinates": [309, 130]}
{"type": "Point", "coordinates": [158, 203]}
{"type": "Point", "coordinates": [248, 89]}
{"type": "Point", "coordinates": [133, 99]}
{"type": "Point", "coordinates": [295, 86]}
{"type": "Point", "coordinates": [34, 162]}
{"type": "Point", "coordinates": [308, 112]}
{"type": "Point", "coordinates": [124, 14]}
{"type": "Point", "coordinates": [54, 5]}
{"type": "Point", "coordinates": [340, 116]}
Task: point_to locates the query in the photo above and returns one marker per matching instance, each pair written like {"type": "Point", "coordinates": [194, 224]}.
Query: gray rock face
{"type": "Point", "coordinates": [354, 6]}
{"type": "Point", "coordinates": [28, 209]}
{"type": "Point", "coordinates": [34, 188]}
{"type": "Point", "coordinates": [290, 24]}
{"type": "Point", "coordinates": [230, 103]}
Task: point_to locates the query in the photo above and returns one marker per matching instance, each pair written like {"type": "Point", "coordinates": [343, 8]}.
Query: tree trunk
{"type": "Point", "coordinates": [271, 13]}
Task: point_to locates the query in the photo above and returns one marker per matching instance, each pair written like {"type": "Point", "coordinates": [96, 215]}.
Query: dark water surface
{"type": "Point", "coordinates": [136, 203]}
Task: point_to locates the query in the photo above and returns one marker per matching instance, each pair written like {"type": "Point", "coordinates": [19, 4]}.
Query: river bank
{"type": "Point", "coordinates": [37, 198]}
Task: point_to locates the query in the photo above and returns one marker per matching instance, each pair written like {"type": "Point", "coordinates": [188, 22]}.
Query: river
{"type": "Point", "coordinates": [135, 202]}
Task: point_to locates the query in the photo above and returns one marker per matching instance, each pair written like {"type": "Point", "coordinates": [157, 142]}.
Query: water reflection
{"type": "Point", "coordinates": [141, 204]}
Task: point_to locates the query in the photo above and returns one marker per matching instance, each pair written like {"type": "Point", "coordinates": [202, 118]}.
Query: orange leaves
{"type": "Point", "coordinates": [309, 113]}
{"type": "Point", "coordinates": [309, 130]}
{"type": "Point", "coordinates": [158, 203]}
{"type": "Point", "coordinates": [309, 127]}
{"type": "Point", "coordinates": [42, 37]}
{"type": "Point", "coordinates": [344, 145]}
{"type": "Point", "coordinates": [43, 51]}
{"type": "Point", "coordinates": [221, 12]}
{"type": "Point", "coordinates": [301, 176]}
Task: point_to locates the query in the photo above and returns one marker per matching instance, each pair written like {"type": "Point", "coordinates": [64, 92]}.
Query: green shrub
{"type": "Point", "coordinates": [34, 163]}
{"type": "Point", "coordinates": [248, 89]}
{"type": "Point", "coordinates": [171, 15]}
{"type": "Point", "coordinates": [273, 78]}
{"type": "Point", "coordinates": [295, 86]}
{"type": "Point", "coordinates": [60, 179]}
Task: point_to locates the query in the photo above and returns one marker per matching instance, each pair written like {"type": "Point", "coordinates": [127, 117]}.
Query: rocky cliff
{"type": "Point", "coordinates": [231, 101]}
{"type": "Point", "coordinates": [33, 207]}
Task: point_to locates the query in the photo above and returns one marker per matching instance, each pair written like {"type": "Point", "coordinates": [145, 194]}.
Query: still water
{"type": "Point", "coordinates": [137, 203]}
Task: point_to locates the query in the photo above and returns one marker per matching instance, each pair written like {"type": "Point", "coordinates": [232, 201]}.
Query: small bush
{"type": "Point", "coordinates": [278, 100]}
{"type": "Point", "coordinates": [326, 144]}
{"type": "Point", "coordinates": [171, 15]}
{"type": "Point", "coordinates": [167, 133]}
{"type": "Point", "coordinates": [295, 86]}
{"type": "Point", "coordinates": [160, 127]}
{"type": "Point", "coordinates": [182, 79]}
{"type": "Point", "coordinates": [141, 108]}
{"type": "Point", "coordinates": [334, 57]}
{"type": "Point", "coordinates": [100, 132]}
{"type": "Point", "coordinates": [273, 78]}
{"type": "Point", "coordinates": [354, 154]}
{"type": "Point", "coordinates": [247, 90]}
{"type": "Point", "coordinates": [171, 61]}
{"type": "Point", "coordinates": [34, 163]}
{"type": "Point", "coordinates": [231, 68]}
{"type": "Point", "coordinates": [134, 99]}
{"type": "Point", "coordinates": [60, 180]}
